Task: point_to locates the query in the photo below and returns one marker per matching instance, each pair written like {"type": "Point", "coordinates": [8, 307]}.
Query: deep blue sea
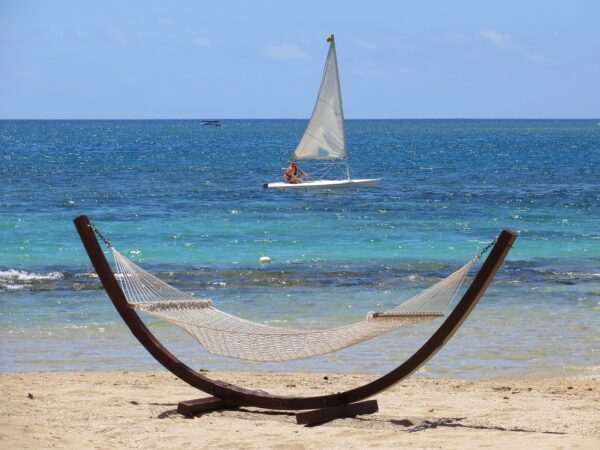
{"type": "Point", "coordinates": [186, 201]}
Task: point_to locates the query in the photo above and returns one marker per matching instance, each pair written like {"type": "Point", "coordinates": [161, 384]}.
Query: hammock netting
{"type": "Point", "coordinates": [227, 335]}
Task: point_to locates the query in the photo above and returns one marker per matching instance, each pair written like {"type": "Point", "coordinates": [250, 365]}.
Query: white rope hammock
{"type": "Point", "coordinates": [227, 335]}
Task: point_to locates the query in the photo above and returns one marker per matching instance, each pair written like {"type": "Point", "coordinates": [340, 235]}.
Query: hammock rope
{"type": "Point", "coordinates": [227, 335]}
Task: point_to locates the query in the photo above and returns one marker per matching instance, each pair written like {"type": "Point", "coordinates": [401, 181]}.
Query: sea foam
{"type": "Point", "coordinates": [13, 279]}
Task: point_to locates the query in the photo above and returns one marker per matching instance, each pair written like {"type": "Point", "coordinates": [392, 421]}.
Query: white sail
{"type": "Point", "coordinates": [324, 137]}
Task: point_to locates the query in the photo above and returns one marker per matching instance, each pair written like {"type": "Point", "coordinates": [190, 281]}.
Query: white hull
{"type": "Point", "coordinates": [324, 184]}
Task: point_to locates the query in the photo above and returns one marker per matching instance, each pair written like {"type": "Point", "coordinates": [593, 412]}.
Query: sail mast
{"type": "Point", "coordinates": [331, 39]}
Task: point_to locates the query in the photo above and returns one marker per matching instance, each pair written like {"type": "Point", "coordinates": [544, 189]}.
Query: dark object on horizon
{"type": "Point", "coordinates": [324, 407]}
{"type": "Point", "coordinates": [212, 123]}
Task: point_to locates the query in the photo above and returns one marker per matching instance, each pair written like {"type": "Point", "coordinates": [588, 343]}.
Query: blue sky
{"type": "Point", "coordinates": [264, 59]}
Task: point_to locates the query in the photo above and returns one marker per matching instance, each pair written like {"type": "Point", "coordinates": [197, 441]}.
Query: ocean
{"type": "Point", "coordinates": [186, 201]}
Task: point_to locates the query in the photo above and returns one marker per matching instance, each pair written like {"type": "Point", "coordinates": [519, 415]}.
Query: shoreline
{"type": "Point", "coordinates": [137, 409]}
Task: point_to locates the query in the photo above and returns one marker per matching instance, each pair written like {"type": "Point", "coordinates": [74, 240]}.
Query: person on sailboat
{"type": "Point", "coordinates": [293, 174]}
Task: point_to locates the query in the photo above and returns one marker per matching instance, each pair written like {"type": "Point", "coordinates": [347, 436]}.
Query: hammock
{"type": "Point", "coordinates": [227, 335]}
{"type": "Point", "coordinates": [147, 292]}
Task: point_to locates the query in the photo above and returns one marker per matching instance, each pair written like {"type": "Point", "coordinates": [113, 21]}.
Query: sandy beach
{"type": "Point", "coordinates": [137, 410]}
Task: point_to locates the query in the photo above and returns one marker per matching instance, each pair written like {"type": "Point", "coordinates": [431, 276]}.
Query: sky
{"type": "Point", "coordinates": [264, 59]}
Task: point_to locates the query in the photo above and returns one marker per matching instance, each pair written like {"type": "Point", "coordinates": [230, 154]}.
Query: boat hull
{"type": "Point", "coordinates": [325, 184]}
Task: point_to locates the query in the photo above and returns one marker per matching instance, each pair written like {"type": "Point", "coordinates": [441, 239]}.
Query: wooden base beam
{"type": "Point", "coordinates": [336, 412]}
{"type": "Point", "coordinates": [192, 407]}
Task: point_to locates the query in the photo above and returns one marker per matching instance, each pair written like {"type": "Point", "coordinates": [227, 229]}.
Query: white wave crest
{"type": "Point", "coordinates": [21, 275]}
{"type": "Point", "coordinates": [13, 279]}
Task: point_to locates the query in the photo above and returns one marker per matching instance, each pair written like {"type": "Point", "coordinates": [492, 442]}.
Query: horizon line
{"type": "Point", "coordinates": [296, 118]}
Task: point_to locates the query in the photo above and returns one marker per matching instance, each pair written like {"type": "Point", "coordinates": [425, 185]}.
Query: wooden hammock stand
{"type": "Point", "coordinates": [316, 409]}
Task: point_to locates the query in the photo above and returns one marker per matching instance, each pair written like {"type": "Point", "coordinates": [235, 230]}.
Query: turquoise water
{"type": "Point", "coordinates": [186, 201]}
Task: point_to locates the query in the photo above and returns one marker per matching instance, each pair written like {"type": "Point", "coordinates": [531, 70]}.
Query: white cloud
{"type": "Point", "coordinates": [121, 38]}
{"type": "Point", "coordinates": [285, 52]}
{"type": "Point", "coordinates": [494, 37]}
{"type": "Point", "coordinates": [167, 20]}
{"type": "Point", "coordinates": [537, 58]}
{"type": "Point", "coordinates": [201, 42]}
{"type": "Point", "coordinates": [124, 78]}
{"type": "Point", "coordinates": [504, 42]}
{"type": "Point", "coordinates": [364, 44]}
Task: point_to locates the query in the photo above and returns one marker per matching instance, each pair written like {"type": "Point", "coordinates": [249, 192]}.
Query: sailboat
{"type": "Point", "coordinates": [324, 139]}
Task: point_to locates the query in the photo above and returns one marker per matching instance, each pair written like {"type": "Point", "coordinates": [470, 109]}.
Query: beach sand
{"type": "Point", "coordinates": [137, 410]}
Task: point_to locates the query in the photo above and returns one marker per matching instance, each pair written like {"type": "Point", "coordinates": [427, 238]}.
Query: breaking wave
{"type": "Point", "coordinates": [13, 279]}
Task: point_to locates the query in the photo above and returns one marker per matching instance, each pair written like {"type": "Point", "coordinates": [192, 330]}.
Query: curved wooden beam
{"type": "Point", "coordinates": [237, 395]}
